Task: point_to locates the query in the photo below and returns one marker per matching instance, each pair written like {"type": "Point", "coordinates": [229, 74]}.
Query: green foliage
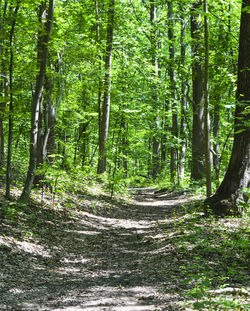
{"type": "Point", "coordinates": [140, 99]}
{"type": "Point", "coordinates": [214, 256]}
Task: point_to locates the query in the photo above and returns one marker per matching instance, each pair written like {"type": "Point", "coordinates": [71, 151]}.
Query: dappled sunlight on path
{"type": "Point", "coordinates": [105, 260]}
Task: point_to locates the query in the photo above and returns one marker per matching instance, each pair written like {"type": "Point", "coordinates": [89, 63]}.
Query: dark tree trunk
{"type": "Point", "coordinates": [226, 200]}
{"type": "Point", "coordinates": [42, 63]}
{"type": "Point", "coordinates": [105, 111]}
{"type": "Point", "coordinates": [197, 168]}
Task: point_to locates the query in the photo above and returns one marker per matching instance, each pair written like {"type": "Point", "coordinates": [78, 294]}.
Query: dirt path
{"type": "Point", "coordinates": [103, 257]}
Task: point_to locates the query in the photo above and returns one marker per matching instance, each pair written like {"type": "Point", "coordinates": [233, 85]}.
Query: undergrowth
{"type": "Point", "coordinates": [214, 260]}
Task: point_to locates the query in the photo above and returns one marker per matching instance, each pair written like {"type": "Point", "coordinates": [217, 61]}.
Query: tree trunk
{"type": "Point", "coordinates": [154, 92]}
{"type": "Point", "coordinates": [40, 139]}
{"type": "Point", "coordinates": [3, 84]}
{"type": "Point", "coordinates": [226, 200]}
{"type": "Point", "coordinates": [206, 104]}
{"type": "Point", "coordinates": [49, 122]}
{"type": "Point", "coordinates": [216, 146]}
{"type": "Point", "coordinates": [105, 111]}
{"type": "Point", "coordinates": [183, 125]}
{"type": "Point", "coordinates": [197, 167]}
{"type": "Point", "coordinates": [174, 128]}
{"type": "Point", "coordinates": [124, 145]}
{"type": "Point", "coordinates": [10, 132]}
{"type": "Point", "coordinates": [43, 41]}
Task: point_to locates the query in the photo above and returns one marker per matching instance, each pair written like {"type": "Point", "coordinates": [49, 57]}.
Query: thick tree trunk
{"type": "Point", "coordinates": [226, 200]}
{"type": "Point", "coordinates": [197, 166]}
{"type": "Point", "coordinates": [105, 111]}
{"type": "Point", "coordinates": [42, 62]}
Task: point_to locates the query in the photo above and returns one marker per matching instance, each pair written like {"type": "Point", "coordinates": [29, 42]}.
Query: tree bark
{"type": "Point", "coordinates": [10, 131]}
{"type": "Point", "coordinates": [216, 146]}
{"type": "Point", "coordinates": [3, 84]}
{"type": "Point", "coordinates": [230, 194]}
{"type": "Point", "coordinates": [154, 92]}
{"type": "Point", "coordinates": [197, 165]}
{"type": "Point", "coordinates": [124, 145]}
{"type": "Point", "coordinates": [105, 111]}
{"type": "Point", "coordinates": [174, 128]}
{"type": "Point", "coordinates": [43, 41]}
{"type": "Point", "coordinates": [183, 125]}
{"type": "Point", "coordinates": [206, 104]}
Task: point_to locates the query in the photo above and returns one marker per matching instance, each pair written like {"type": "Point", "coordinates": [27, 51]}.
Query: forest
{"type": "Point", "coordinates": [124, 122]}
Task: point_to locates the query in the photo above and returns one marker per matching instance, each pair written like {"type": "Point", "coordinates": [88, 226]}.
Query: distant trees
{"type": "Point", "coordinates": [149, 123]}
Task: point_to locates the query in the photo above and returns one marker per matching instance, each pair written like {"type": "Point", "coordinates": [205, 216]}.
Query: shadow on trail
{"type": "Point", "coordinates": [97, 261]}
{"type": "Point", "coordinates": [121, 256]}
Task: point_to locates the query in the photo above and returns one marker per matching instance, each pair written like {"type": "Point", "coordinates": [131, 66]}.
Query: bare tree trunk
{"type": "Point", "coordinates": [43, 41]}
{"type": "Point", "coordinates": [105, 112]}
{"type": "Point", "coordinates": [206, 105]}
{"type": "Point", "coordinates": [231, 192]}
{"type": "Point", "coordinates": [197, 168]}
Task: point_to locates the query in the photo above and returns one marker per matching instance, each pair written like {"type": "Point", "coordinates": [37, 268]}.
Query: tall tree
{"type": "Point", "coordinates": [104, 111]}
{"type": "Point", "coordinates": [42, 58]}
{"type": "Point", "coordinates": [3, 78]}
{"type": "Point", "coordinates": [10, 132]}
{"type": "Point", "coordinates": [183, 125]}
{"type": "Point", "coordinates": [227, 198]}
{"type": "Point", "coordinates": [154, 90]}
{"type": "Point", "coordinates": [197, 167]}
{"type": "Point", "coordinates": [206, 104]}
{"type": "Point", "coordinates": [174, 128]}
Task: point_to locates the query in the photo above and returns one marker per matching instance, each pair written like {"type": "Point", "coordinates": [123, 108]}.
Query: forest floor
{"type": "Point", "coordinates": [154, 251]}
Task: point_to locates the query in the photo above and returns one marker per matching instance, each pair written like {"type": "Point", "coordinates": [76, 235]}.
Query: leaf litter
{"type": "Point", "coordinates": [152, 252]}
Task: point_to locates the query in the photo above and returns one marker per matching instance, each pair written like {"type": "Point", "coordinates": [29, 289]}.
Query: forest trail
{"type": "Point", "coordinates": [104, 257]}
{"type": "Point", "coordinates": [101, 259]}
